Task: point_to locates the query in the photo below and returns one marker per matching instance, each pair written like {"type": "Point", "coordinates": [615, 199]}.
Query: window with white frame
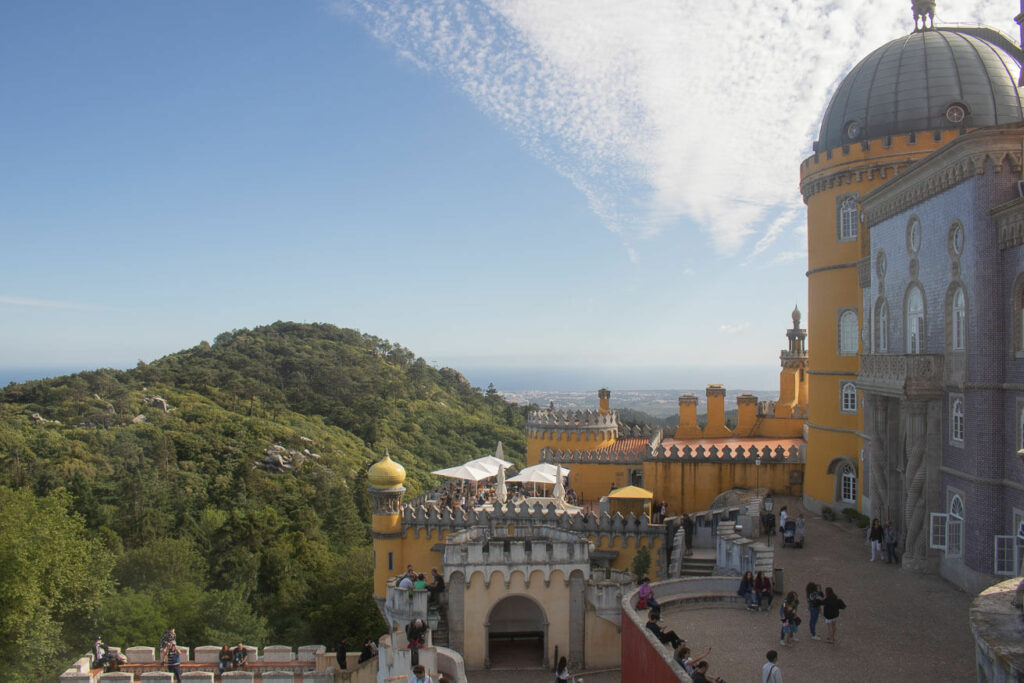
{"type": "Point", "coordinates": [848, 333]}
{"type": "Point", "coordinates": [848, 219]}
{"type": "Point", "coordinates": [937, 531]}
{"type": "Point", "coordinates": [882, 327]}
{"type": "Point", "coordinates": [955, 527]}
{"type": "Point", "coordinates": [848, 484]}
{"type": "Point", "coordinates": [1008, 548]}
{"type": "Point", "coordinates": [915, 321]}
{"type": "Point", "coordinates": [956, 419]}
{"type": "Point", "coordinates": [848, 397]}
{"type": "Point", "coordinates": [959, 320]}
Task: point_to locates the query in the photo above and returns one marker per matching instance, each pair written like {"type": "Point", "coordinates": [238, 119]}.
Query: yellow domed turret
{"type": "Point", "coordinates": [386, 474]}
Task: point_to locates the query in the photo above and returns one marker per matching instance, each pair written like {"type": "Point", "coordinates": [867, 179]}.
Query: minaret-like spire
{"type": "Point", "coordinates": [925, 11]}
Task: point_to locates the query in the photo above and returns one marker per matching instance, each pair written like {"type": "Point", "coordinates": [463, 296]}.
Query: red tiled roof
{"type": "Point", "coordinates": [631, 445]}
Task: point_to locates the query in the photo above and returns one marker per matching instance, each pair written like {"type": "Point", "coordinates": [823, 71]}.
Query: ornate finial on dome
{"type": "Point", "coordinates": [796, 316]}
{"type": "Point", "coordinates": [925, 11]}
{"type": "Point", "coordinates": [386, 474]}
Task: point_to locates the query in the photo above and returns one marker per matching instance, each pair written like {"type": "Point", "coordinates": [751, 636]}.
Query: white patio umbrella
{"type": "Point", "coordinates": [466, 471]}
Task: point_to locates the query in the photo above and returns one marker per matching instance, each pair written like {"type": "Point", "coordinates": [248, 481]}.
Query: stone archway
{"type": "Point", "coordinates": [516, 633]}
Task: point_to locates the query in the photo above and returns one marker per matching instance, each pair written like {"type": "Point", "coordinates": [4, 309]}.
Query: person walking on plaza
{"type": "Point", "coordinates": [814, 598]}
{"type": "Point", "coordinates": [892, 538]}
{"type": "Point", "coordinates": [562, 675]}
{"type": "Point", "coordinates": [688, 534]}
{"type": "Point", "coordinates": [790, 620]}
{"type": "Point", "coordinates": [770, 672]}
{"type": "Point", "coordinates": [830, 607]}
{"type": "Point", "coordinates": [876, 536]}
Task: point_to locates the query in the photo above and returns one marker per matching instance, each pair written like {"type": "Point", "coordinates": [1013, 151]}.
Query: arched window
{"type": "Point", "coordinates": [956, 420]}
{"type": "Point", "coordinates": [955, 527]}
{"type": "Point", "coordinates": [959, 320]}
{"type": "Point", "coordinates": [848, 484]}
{"type": "Point", "coordinates": [848, 400]}
{"type": "Point", "coordinates": [848, 333]}
{"type": "Point", "coordinates": [848, 219]}
{"type": "Point", "coordinates": [915, 321]}
{"type": "Point", "coordinates": [882, 326]}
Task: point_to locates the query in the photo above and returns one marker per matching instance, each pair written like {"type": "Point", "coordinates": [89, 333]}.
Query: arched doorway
{"type": "Point", "coordinates": [517, 630]}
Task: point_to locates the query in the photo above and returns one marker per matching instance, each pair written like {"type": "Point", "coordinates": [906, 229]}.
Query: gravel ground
{"type": "Point", "coordinates": [897, 626]}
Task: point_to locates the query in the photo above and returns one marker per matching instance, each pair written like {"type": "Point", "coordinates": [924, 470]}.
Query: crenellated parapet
{"type": "Point", "coordinates": [523, 519]}
{"type": "Point", "coordinates": [727, 454]}
{"type": "Point", "coordinates": [545, 550]}
{"type": "Point", "coordinates": [600, 456]}
{"type": "Point", "coordinates": [552, 424]}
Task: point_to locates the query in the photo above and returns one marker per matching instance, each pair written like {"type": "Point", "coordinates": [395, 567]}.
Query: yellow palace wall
{"type": "Point", "coordinates": [692, 486]}
{"type": "Point", "coordinates": [833, 283]}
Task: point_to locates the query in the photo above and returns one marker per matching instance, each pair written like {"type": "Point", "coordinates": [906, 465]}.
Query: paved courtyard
{"type": "Point", "coordinates": [897, 626]}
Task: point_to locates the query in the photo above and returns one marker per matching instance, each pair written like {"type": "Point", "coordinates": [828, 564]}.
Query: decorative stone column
{"type": "Point", "coordinates": [915, 512]}
{"type": "Point", "coordinates": [879, 421]}
{"type": "Point", "coordinates": [577, 620]}
{"type": "Point", "coordinates": [456, 589]}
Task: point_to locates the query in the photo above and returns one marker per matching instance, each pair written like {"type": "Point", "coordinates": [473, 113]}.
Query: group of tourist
{"type": "Point", "coordinates": [105, 658]}
{"type": "Point", "coordinates": [418, 581]}
{"type": "Point", "coordinates": [695, 665]}
{"type": "Point", "coordinates": [232, 659]}
{"type": "Point", "coordinates": [757, 591]}
{"type": "Point", "coordinates": [877, 535]}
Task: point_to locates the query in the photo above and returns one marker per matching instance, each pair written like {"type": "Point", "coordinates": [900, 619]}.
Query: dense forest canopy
{"type": "Point", "coordinates": [131, 501]}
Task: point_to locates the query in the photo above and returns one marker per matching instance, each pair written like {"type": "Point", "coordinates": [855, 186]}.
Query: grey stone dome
{"type": "Point", "coordinates": [928, 80]}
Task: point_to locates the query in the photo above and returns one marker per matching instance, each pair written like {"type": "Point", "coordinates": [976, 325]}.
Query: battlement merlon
{"type": "Point", "coordinates": [572, 419]}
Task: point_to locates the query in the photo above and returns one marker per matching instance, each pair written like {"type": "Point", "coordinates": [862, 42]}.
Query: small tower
{"type": "Point", "coordinates": [793, 378]}
{"type": "Point", "coordinates": [386, 478]}
{"type": "Point", "coordinates": [571, 430]}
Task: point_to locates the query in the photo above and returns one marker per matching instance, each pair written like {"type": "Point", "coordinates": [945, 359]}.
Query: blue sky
{"type": "Point", "coordinates": [500, 185]}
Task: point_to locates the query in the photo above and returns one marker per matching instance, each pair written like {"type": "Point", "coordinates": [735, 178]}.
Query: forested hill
{"type": "Point", "coordinates": [220, 490]}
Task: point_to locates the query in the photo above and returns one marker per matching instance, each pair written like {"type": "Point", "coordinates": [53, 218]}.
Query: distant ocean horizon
{"type": "Point", "coordinates": [506, 379]}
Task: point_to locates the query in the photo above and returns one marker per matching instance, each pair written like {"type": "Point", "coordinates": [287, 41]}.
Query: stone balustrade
{"type": "Point", "coordinates": [277, 661]}
{"type": "Point", "coordinates": [915, 375]}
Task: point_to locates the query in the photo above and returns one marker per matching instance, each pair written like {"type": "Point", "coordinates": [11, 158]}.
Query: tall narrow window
{"type": "Point", "coordinates": [849, 397]}
{"type": "Point", "coordinates": [848, 219]}
{"type": "Point", "coordinates": [882, 327]}
{"type": "Point", "coordinates": [959, 320]}
{"type": "Point", "coordinates": [915, 321]}
{"type": "Point", "coordinates": [848, 484]}
{"type": "Point", "coordinates": [848, 333]}
{"type": "Point", "coordinates": [955, 526]}
{"type": "Point", "coordinates": [956, 420]}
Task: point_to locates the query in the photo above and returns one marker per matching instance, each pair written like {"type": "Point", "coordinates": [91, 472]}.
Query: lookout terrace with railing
{"type": "Point", "coordinates": [272, 664]}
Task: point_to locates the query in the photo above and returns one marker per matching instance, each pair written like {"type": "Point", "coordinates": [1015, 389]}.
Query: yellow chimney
{"type": "Point", "coordinates": [688, 428]}
{"type": "Point", "coordinates": [715, 427]}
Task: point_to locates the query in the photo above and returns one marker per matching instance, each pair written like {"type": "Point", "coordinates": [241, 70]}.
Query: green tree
{"type": "Point", "coordinates": [53, 576]}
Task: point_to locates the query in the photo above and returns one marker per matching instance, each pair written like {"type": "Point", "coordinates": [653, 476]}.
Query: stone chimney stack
{"type": "Point", "coordinates": [746, 405]}
{"type": "Point", "coordinates": [688, 428]}
{"type": "Point", "coordinates": [604, 398]}
{"type": "Point", "coordinates": [715, 428]}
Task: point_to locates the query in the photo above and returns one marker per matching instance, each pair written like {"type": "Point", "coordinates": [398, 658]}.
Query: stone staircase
{"type": "Point", "coordinates": [700, 563]}
{"type": "Point", "coordinates": [439, 635]}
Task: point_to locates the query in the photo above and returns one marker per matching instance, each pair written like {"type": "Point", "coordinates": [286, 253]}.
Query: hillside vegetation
{"type": "Point", "coordinates": [131, 501]}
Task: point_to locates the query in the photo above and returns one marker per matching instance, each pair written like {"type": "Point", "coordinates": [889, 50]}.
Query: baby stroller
{"type": "Point", "coordinates": [789, 534]}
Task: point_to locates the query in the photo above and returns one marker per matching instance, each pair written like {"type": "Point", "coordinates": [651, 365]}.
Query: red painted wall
{"type": "Point", "coordinates": [641, 662]}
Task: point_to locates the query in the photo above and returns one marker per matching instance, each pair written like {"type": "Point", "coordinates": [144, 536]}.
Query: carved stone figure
{"type": "Point", "coordinates": [925, 11]}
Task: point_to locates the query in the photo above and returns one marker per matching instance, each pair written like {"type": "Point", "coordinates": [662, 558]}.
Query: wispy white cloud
{"type": "Point", "coordinates": [34, 303]}
{"type": "Point", "coordinates": [659, 111]}
{"type": "Point", "coordinates": [734, 329]}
